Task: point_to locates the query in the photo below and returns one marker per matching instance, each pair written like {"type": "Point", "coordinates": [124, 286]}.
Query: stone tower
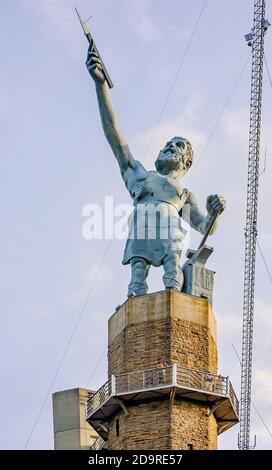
{"type": "Point", "coordinates": [163, 389]}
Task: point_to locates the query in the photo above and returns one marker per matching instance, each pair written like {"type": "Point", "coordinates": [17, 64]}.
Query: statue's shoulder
{"type": "Point", "coordinates": [137, 170]}
{"type": "Point", "coordinates": [134, 175]}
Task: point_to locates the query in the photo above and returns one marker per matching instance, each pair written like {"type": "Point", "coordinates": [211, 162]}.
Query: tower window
{"type": "Point", "coordinates": [117, 427]}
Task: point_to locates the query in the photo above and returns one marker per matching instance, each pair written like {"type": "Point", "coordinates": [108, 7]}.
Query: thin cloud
{"type": "Point", "coordinates": [57, 21]}
{"type": "Point", "coordinates": [185, 124]}
{"type": "Point", "coordinates": [140, 20]}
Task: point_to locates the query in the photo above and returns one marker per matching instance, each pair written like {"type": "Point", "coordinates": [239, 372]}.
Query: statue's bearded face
{"type": "Point", "coordinates": [177, 155]}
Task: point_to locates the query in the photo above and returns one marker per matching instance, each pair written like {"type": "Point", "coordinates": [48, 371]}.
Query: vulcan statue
{"type": "Point", "coordinates": [157, 239]}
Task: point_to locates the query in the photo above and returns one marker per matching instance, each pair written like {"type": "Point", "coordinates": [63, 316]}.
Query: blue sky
{"type": "Point", "coordinates": [55, 160]}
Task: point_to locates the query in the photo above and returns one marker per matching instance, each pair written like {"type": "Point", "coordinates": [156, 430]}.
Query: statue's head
{"type": "Point", "coordinates": [177, 155]}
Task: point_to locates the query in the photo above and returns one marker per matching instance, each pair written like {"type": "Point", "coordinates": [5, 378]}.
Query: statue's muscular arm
{"type": "Point", "coordinates": [113, 135]}
{"type": "Point", "coordinates": [194, 215]}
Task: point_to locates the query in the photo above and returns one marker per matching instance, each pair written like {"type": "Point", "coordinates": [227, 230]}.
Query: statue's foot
{"type": "Point", "coordinates": [173, 280]}
{"type": "Point", "coordinates": [137, 288]}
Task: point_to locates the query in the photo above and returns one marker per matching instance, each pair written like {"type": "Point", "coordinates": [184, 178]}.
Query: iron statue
{"type": "Point", "coordinates": [153, 192]}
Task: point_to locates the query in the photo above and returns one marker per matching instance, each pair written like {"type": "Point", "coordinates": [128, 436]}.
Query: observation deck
{"type": "Point", "coordinates": [215, 391]}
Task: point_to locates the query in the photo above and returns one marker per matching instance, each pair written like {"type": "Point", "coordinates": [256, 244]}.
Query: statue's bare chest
{"type": "Point", "coordinates": [158, 187]}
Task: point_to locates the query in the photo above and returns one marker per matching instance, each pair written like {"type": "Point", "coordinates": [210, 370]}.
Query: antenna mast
{"type": "Point", "coordinates": [256, 40]}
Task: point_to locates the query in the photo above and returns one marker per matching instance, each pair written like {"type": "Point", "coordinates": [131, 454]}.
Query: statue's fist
{"type": "Point", "coordinates": [94, 66]}
{"type": "Point", "coordinates": [215, 203]}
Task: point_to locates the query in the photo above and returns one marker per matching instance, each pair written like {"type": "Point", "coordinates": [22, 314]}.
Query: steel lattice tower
{"type": "Point", "coordinates": [257, 43]}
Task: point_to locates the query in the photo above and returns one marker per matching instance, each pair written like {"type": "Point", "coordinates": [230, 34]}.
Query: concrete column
{"type": "Point", "coordinates": [71, 431]}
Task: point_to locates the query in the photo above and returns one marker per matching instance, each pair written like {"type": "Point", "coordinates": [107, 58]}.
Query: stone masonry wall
{"type": "Point", "coordinates": [139, 346]}
{"type": "Point", "coordinates": [192, 346]}
{"type": "Point", "coordinates": [153, 425]}
{"type": "Point", "coordinates": [190, 423]}
{"type": "Point", "coordinates": [146, 427]}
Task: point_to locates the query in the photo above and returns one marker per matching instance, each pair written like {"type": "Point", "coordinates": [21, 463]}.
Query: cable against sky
{"type": "Point", "coordinates": [253, 404]}
{"type": "Point", "coordinates": [219, 119]}
{"type": "Point", "coordinates": [268, 71]}
{"type": "Point", "coordinates": [68, 344]}
{"type": "Point", "coordinates": [175, 79]}
{"type": "Point", "coordinates": [96, 366]}
{"type": "Point", "coordinates": [264, 261]}
{"type": "Point", "coordinates": [237, 249]}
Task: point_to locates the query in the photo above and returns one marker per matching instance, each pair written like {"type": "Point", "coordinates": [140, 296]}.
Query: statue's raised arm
{"type": "Point", "coordinates": [113, 135]}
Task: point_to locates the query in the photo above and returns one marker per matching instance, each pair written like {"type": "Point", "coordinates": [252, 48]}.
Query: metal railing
{"type": "Point", "coordinates": [144, 379]}
{"type": "Point", "coordinates": [233, 399]}
{"type": "Point", "coordinates": [98, 398]}
{"type": "Point", "coordinates": [202, 381]}
{"type": "Point", "coordinates": [98, 444]}
{"type": "Point", "coordinates": [171, 376]}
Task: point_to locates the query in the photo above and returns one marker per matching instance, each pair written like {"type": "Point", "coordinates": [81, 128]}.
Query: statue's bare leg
{"type": "Point", "coordinates": [173, 275]}
{"type": "Point", "coordinates": [139, 272]}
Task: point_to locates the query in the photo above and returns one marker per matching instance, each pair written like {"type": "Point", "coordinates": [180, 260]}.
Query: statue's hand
{"type": "Point", "coordinates": [215, 203]}
{"type": "Point", "coordinates": [94, 66]}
